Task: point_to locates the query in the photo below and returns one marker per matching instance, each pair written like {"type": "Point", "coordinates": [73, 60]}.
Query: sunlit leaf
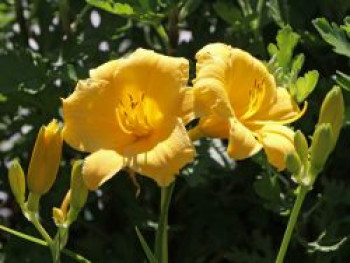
{"type": "Point", "coordinates": [283, 51]}
{"type": "Point", "coordinates": [139, 10]}
{"type": "Point", "coordinates": [303, 87]}
{"type": "Point", "coordinates": [333, 35]}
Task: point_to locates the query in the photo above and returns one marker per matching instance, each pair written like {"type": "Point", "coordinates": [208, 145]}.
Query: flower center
{"type": "Point", "coordinates": [256, 95]}
{"type": "Point", "coordinates": [131, 115]}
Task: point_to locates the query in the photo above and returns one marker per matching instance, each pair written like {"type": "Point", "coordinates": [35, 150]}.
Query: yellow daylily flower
{"type": "Point", "coordinates": [45, 159]}
{"type": "Point", "coordinates": [131, 113]}
{"type": "Point", "coordinates": [236, 98]}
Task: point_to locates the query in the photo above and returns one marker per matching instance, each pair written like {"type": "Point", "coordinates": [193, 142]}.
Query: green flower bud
{"type": "Point", "coordinates": [17, 181]}
{"type": "Point", "coordinates": [293, 163]}
{"type": "Point", "coordinates": [332, 111]}
{"type": "Point", "coordinates": [301, 146]}
{"type": "Point", "coordinates": [321, 147]}
{"type": "Point", "coordinates": [79, 190]}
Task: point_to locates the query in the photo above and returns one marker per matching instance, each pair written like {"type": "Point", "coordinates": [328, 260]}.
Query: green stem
{"type": "Point", "coordinates": [41, 242]}
{"type": "Point", "coordinates": [161, 244]}
{"type": "Point", "coordinates": [302, 191]}
{"type": "Point", "coordinates": [35, 221]}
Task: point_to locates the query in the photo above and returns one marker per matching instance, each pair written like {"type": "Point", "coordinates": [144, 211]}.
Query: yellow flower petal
{"type": "Point", "coordinates": [106, 71]}
{"type": "Point", "coordinates": [45, 159]}
{"type": "Point", "coordinates": [277, 141]}
{"type": "Point", "coordinates": [248, 83]}
{"type": "Point", "coordinates": [101, 166]}
{"type": "Point", "coordinates": [281, 111]}
{"type": "Point", "coordinates": [161, 79]}
{"type": "Point", "coordinates": [187, 113]}
{"type": "Point", "coordinates": [90, 119]}
{"type": "Point", "coordinates": [242, 142]}
{"type": "Point", "coordinates": [214, 126]}
{"type": "Point", "coordinates": [210, 96]}
{"type": "Point", "coordinates": [164, 160]}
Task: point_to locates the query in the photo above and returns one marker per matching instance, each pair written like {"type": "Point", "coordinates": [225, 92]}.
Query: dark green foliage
{"type": "Point", "coordinates": [221, 211]}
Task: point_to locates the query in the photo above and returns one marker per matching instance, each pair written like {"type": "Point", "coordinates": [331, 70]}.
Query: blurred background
{"type": "Point", "coordinates": [222, 211]}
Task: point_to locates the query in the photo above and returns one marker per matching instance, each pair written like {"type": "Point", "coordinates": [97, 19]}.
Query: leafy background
{"type": "Point", "coordinates": [222, 211]}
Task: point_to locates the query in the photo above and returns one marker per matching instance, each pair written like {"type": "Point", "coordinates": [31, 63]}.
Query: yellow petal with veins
{"type": "Point", "coordinates": [162, 80]}
{"type": "Point", "coordinates": [90, 119]}
{"type": "Point", "coordinates": [283, 110]}
{"type": "Point", "coordinates": [242, 142]}
{"type": "Point", "coordinates": [277, 141]}
{"type": "Point", "coordinates": [164, 160]}
{"type": "Point", "coordinates": [249, 85]}
{"type": "Point", "coordinates": [101, 166]}
{"type": "Point", "coordinates": [210, 96]}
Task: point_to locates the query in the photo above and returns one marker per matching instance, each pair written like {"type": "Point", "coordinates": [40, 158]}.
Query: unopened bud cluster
{"type": "Point", "coordinates": [307, 162]}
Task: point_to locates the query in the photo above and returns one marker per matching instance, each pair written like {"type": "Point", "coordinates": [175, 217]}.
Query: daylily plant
{"type": "Point", "coordinates": [236, 98]}
{"type": "Point", "coordinates": [132, 112]}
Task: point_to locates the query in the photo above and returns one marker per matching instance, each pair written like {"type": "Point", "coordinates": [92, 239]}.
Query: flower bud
{"type": "Point", "coordinates": [332, 111]}
{"type": "Point", "coordinates": [321, 147]}
{"type": "Point", "coordinates": [293, 163]}
{"type": "Point", "coordinates": [45, 159]}
{"type": "Point", "coordinates": [79, 191]}
{"type": "Point", "coordinates": [301, 146]}
{"type": "Point", "coordinates": [58, 216]}
{"type": "Point", "coordinates": [17, 181]}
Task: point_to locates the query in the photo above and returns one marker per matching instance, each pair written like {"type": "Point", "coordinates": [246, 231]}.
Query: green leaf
{"type": "Point", "coordinates": [138, 10]}
{"type": "Point", "coordinates": [346, 26]}
{"type": "Point", "coordinates": [274, 11]}
{"type": "Point", "coordinates": [188, 8]}
{"type": "Point", "coordinates": [267, 187]}
{"type": "Point", "coordinates": [228, 12]}
{"type": "Point", "coordinates": [7, 14]}
{"type": "Point", "coordinates": [343, 80]}
{"type": "Point", "coordinates": [283, 51]}
{"type": "Point", "coordinates": [303, 87]}
{"type": "Point", "coordinates": [21, 68]}
{"type": "Point", "coordinates": [112, 7]}
{"type": "Point", "coordinates": [145, 247]}
{"type": "Point", "coordinates": [297, 65]}
{"type": "Point", "coordinates": [333, 35]}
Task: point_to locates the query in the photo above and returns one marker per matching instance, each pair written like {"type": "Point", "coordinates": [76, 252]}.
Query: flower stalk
{"type": "Point", "coordinates": [161, 244]}
{"type": "Point", "coordinates": [302, 191]}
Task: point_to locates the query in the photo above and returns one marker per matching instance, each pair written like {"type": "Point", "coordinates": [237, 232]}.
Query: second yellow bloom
{"type": "Point", "coordinates": [237, 98]}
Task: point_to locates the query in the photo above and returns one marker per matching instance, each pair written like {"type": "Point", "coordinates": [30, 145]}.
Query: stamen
{"type": "Point", "coordinates": [131, 116]}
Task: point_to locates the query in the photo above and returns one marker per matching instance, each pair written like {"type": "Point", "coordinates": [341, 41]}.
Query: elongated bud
{"type": "Point", "coordinates": [45, 159]}
{"type": "Point", "coordinates": [17, 181]}
{"type": "Point", "coordinates": [301, 146]}
{"type": "Point", "coordinates": [321, 147]}
{"type": "Point", "coordinates": [60, 214]}
{"type": "Point", "coordinates": [293, 163]}
{"type": "Point", "coordinates": [79, 191]}
{"type": "Point", "coordinates": [332, 111]}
